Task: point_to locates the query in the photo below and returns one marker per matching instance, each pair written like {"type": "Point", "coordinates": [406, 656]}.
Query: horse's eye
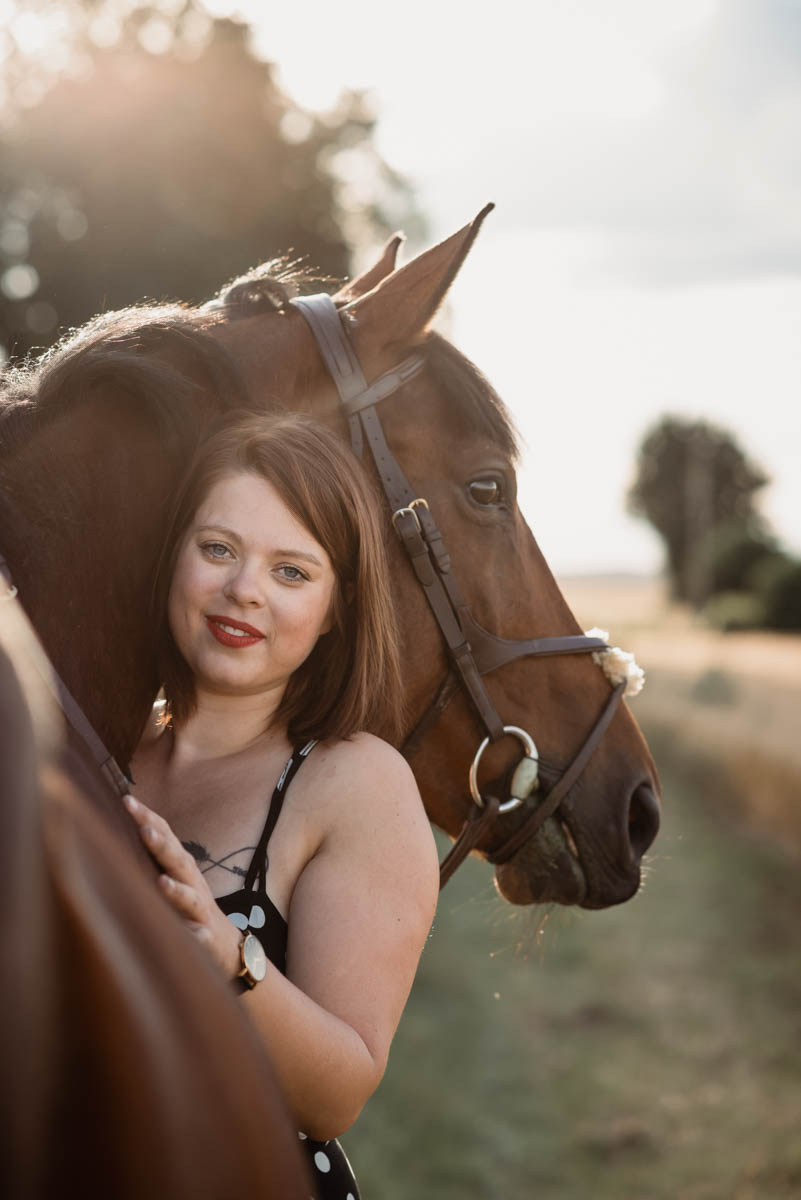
{"type": "Point", "coordinates": [485, 491]}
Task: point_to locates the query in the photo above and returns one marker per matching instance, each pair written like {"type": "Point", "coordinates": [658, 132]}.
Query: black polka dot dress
{"type": "Point", "coordinates": [252, 909]}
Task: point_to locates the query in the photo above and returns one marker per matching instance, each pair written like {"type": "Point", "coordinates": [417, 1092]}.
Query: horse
{"type": "Point", "coordinates": [94, 437]}
{"type": "Point", "coordinates": [127, 1068]}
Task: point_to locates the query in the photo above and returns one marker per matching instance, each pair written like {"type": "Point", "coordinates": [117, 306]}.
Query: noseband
{"type": "Point", "coordinates": [472, 650]}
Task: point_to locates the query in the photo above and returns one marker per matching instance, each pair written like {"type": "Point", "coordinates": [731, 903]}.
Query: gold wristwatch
{"type": "Point", "coordinates": [254, 963]}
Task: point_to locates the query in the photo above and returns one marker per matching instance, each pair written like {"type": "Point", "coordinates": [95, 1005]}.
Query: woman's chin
{"type": "Point", "coordinates": [233, 684]}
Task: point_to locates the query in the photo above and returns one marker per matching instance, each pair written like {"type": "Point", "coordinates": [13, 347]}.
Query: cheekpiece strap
{"type": "Point", "coordinates": [356, 395]}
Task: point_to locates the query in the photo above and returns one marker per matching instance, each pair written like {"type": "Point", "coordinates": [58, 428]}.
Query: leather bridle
{"type": "Point", "coordinates": [472, 650]}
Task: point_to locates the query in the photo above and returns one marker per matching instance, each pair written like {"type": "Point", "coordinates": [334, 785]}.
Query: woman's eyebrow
{"type": "Point", "coordinates": [229, 533]}
{"type": "Point", "coordinates": [303, 555]}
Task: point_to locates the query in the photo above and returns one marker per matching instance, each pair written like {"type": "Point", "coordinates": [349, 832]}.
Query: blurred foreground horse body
{"type": "Point", "coordinates": [92, 442]}
{"type": "Point", "coordinates": [128, 1071]}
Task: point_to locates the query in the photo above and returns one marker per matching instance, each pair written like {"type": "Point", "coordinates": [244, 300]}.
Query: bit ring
{"type": "Point", "coordinates": [530, 750]}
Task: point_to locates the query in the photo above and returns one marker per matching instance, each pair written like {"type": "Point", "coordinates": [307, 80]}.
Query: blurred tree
{"type": "Point", "coordinates": [148, 153]}
{"type": "Point", "coordinates": [783, 597]}
{"type": "Point", "coordinates": [734, 552]}
{"type": "Point", "coordinates": [692, 481]}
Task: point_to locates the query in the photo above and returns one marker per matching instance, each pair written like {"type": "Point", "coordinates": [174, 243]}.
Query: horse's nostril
{"type": "Point", "coordinates": [643, 819]}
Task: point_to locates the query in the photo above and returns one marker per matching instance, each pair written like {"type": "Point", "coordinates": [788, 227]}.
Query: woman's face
{"type": "Point", "coordinates": [252, 590]}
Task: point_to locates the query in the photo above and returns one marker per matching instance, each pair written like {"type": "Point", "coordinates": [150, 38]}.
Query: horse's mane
{"type": "Point", "coordinates": [112, 349]}
{"type": "Point", "coordinates": [479, 407]}
{"type": "Point", "coordinates": [161, 355]}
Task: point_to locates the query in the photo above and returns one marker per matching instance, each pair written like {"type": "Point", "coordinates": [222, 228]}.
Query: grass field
{"type": "Point", "coordinates": [731, 702]}
{"type": "Point", "coordinates": [650, 1052]}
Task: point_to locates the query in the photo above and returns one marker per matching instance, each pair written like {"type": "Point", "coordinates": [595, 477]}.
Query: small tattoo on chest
{"type": "Point", "coordinates": [206, 862]}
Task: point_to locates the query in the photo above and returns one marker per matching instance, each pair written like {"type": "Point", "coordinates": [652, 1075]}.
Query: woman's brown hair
{"type": "Point", "coordinates": [351, 679]}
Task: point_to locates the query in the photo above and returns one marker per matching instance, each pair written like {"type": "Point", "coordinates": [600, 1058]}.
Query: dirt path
{"type": "Point", "coordinates": [652, 1052]}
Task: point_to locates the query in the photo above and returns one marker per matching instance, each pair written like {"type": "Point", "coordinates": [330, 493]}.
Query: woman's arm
{"type": "Point", "coordinates": [359, 916]}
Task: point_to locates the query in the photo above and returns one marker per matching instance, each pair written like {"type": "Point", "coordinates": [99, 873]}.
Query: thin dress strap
{"type": "Point", "coordinates": [257, 871]}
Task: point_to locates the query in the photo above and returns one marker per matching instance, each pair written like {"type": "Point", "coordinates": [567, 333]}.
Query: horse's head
{"type": "Point", "coordinates": [455, 444]}
{"type": "Point", "coordinates": [118, 410]}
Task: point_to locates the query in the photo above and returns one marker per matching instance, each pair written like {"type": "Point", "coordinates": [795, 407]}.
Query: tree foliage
{"type": "Point", "coordinates": [734, 555]}
{"type": "Point", "coordinates": [783, 597]}
{"type": "Point", "coordinates": [693, 482]}
{"type": "Point", "coordinates": [155, 155]}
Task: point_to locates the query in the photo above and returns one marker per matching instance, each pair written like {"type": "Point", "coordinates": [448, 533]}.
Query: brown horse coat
{"type": "Point", "coordinates": [128, 1069]}
{"type": "Point", "coordinates": [119, 409]}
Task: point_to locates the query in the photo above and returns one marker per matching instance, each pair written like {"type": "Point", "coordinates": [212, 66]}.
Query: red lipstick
{"type": "Point", "coordinates": [248, 637]}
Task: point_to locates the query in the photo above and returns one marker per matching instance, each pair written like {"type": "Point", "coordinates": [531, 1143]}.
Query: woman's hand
{"type": "Point", "coordinates": [185, 888]}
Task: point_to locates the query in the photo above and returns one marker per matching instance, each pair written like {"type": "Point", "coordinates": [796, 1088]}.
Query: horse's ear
{"type": "Point", "coordinates": [400, 308]}
{"type": "Point", "coordinates": [369, 279]}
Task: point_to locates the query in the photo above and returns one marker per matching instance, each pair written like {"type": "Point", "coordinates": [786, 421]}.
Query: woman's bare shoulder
{"type": "Point", "coordinates": [372, 802]}
{"type": "Point", "coordinates": [365, 765]}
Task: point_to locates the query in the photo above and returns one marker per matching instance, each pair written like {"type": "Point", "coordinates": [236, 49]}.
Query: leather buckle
{"type": "Point", "coordinates": [408, 511]}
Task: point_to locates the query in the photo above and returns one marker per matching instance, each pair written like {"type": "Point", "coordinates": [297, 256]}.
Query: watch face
{"type": "Point", "coordinates": [254, 957]}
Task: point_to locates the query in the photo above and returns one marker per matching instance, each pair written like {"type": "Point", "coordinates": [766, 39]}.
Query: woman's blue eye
{"type": "Point", "coordinates": [214, 549]}
{"type": "Point", "coordinates": [293, 573]}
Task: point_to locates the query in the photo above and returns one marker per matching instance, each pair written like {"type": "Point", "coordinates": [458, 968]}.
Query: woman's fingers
{"type": "Point", "coordinates": [184, 887]}
{"type": "Point", "coordinates": [183, 898]}
{"type": "Point", "coordinates": [144, 815]}
{"type": "Point", "coordinates": [135, 807]}
{"type": "Point", "coordinates": [162, 842]}
{"type": "Point", "coordinates": [169, 852]}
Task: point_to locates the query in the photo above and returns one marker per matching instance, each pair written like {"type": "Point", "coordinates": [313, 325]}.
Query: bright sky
{"type": "Point", "coordinates": [646, 248]}
{"type": "Point", "coordinates": [645, 253]}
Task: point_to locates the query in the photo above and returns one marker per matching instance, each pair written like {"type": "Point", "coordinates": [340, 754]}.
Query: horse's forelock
{"type": "Point", "coordinates": [266, 288]}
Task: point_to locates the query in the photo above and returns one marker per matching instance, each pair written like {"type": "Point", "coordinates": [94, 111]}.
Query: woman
{"type": "Point", "coordinates": [259, 792]}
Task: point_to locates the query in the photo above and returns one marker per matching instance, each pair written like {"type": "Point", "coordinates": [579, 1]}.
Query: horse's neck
{"type": "Point", "coordinates": [81, 543]}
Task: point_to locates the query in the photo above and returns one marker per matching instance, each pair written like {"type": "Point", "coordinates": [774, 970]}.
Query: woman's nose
{"type": "Point", "coordinates": [245, 586]}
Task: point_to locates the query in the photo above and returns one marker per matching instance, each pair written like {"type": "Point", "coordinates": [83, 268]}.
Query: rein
{"type": "Point", "coordinates": [472, 650]}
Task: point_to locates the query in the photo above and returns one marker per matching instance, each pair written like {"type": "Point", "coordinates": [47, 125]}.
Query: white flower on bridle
{"type": "Point", "coordinates": [618, 665]}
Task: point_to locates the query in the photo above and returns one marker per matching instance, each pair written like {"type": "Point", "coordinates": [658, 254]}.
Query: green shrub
{"type": "Point", "coordinates": [766, 570]}
{"type": "Point", "coordinates": [782, 598]}
{"type": "Point", "coordinates": [730, 553]}
{"type": "Point", "coordinates": [731, 611]}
